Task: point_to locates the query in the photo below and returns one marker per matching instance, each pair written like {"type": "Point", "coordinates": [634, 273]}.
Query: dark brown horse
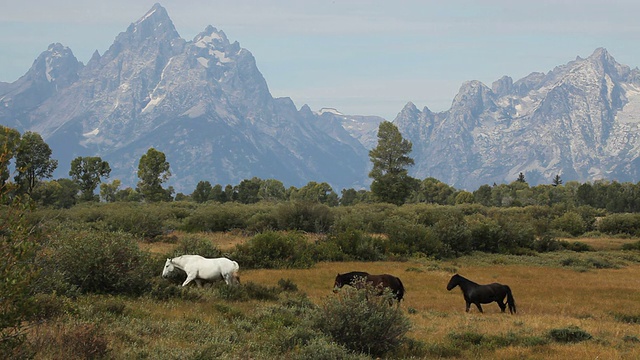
{"type": "Point", "coordinates": [483, 294]}
{"type": "Point", "coordinates": [380, 282]}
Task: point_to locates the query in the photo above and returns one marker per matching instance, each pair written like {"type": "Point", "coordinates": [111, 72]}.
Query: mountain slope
{"type": "Point", "coordinates": [579, 121]}
{"type": "Point", "coordinates": [203, 103]}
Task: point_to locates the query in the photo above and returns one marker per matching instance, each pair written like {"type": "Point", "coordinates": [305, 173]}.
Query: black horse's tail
{"type": "Point", "coordinates": [510, 301]}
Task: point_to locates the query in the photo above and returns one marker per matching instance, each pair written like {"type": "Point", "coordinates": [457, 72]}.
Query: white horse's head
{"type": "Point", "coordinates": [168, 268]}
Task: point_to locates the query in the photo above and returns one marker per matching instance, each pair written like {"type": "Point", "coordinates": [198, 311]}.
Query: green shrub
{"type": "Point", "coordinates": [273, 250]}
{"type": "Point", "coordinates": [631, 246]}
{"type": "Point", "coordinates": [140, 220]}
{"type": "Point", "coordinates": [218, 217]}
{"type": "Point", "coordinates": [546, 244]}
{"type": "Point", "coordinates": [72, 341]}
{"type": "Point", "coordinates": [369, 218]}
{"type": "Point", "coordinates": [193, 245]}
{"type": "Point", "coordinates": [454, 235]}
{"type": "Point", "coordinates": [287, 285]}
{"type": "Point", "coordinates": [87, 341]}
{"type": "Point", "coordinates": [304, 216]}
{"type": "Point", "coordinates": [485, 233]}
{"type": "Point", "coordinates": [627, 318]}
{"type": "Point", "coordinates": [571, 334]}
{"type": "Point", "coordinates": [570, 222]}
{"type": "Point", "coordinates": [363, 322]}
{"type": "Point", "coordinates": [406, 237]}
{"type": "Point", "coordinates": [358, 245]}
{"type": "Point", "coordinates": [97, 262]}
{"type": "Point", "coordinates": [49, 306]}
{"type": "Point", "coordinates": [620, 224]}
{"type": "Point", "coordinates": [321, 348]}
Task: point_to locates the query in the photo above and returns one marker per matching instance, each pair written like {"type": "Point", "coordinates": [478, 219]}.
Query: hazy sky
{"type": "Point", "coordinates": [361, 57]}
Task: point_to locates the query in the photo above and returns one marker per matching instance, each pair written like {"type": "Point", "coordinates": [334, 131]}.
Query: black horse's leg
{"type": "Point", "coordinates": [468, 305]}
{"type": "Point", "coordinates": [479, 307]}
{"type": "Point", "coordinates": [502, 305]}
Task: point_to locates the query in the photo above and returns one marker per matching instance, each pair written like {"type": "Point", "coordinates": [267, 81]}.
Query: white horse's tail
{"type": "Point", "coordinates": [235, 276]}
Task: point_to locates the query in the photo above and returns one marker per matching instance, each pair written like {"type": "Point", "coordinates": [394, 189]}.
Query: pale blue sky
{"type": "Point", "coordinates": [359, 56]}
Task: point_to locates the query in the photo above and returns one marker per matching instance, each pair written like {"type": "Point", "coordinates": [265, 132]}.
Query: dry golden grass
{"type": "Point", "coordinates": [604, 243]}
{"type": "Point", "coordinates": [546, 297]}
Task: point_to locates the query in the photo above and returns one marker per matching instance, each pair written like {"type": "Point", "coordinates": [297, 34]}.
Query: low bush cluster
{"type": "Point", "coordinates": [361, 321]}
{"type": "Point", "coordinates": [93, 261]}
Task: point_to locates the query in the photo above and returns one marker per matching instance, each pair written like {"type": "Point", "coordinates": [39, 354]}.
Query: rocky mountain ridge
{"type": "Point", "coordinates": [579, 121]}
{"type": "Point", "coordinates": [205, 104]}
{"type": "Point", "coordinates": [201, 102]}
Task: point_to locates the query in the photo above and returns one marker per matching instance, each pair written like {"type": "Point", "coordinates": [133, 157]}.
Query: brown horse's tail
{"type": "Point", "coordinates": [400, 291]}
{"type": "Point", "coordinates": [510, 301]}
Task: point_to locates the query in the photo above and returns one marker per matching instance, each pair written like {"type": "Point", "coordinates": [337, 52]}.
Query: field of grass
{"type": "Point", "coordinates": [597, 293]}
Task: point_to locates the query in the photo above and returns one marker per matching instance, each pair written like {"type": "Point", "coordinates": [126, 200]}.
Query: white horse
{"type": "Point", "coordinates": [199, 268]}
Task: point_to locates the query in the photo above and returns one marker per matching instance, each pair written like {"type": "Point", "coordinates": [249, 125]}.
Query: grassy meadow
{"type": "Point", "coordinates": [595, 293]}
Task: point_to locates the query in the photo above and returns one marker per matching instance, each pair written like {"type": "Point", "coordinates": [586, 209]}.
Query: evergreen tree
{"type": "Point", "coordinates": [391, 181]}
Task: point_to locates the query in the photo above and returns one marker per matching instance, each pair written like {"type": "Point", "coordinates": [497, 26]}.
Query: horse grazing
{"type": "Point", "coordinates": [483, 294]}
{"type": "Point", "coordinates": [201, 269]}
{"type": "Point", "coordinates": [359, 278]}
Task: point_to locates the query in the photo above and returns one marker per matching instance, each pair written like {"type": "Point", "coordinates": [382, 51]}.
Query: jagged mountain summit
{"type": "Point", "coordinates": [580, 121]}
{"type": "Point", "coordinates": [205, 104]}
{"type": "Point", "coordinates": [202, 102]}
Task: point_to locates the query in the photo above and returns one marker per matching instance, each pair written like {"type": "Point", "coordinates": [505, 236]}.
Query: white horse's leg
{"type": "Point", "coordinates": [227, 278]}
{"type": "Point", "coordinates": [190, 277]}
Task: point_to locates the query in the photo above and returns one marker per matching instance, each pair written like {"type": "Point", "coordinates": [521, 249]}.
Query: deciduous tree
{"type": "Point", "coordinates": [153, 171]}
{"type": "Point", "coordinates": [9, 141]}
{"type": "Point", "coordinates": [33, 162]}
{"type": "Point", "coordinates": [86, 172]}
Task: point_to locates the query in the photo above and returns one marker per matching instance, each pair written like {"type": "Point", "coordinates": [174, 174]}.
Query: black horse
{"type": "Point", "coordinates": [483, 294]}
{"type": "Point", "coordinates": [359, 278]}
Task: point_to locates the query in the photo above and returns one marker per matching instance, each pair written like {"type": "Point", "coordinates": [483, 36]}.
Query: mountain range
{"type": "Point", "coordinates": [205, 104]}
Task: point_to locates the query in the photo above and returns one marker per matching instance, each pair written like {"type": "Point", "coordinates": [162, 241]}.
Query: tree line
{"type": "Point", "coordinates": [391, 183]}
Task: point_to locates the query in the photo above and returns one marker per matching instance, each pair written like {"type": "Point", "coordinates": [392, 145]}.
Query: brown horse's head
{"type": "Point", "coordinates": [337, 284]}
{"type": "Point", "coordinates": [453, 282]}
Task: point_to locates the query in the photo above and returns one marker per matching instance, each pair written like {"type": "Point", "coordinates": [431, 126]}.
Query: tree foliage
{"type": "Point", "coordinates": [86, 172]}
{"type": "Point", "coordinates": [9, 141]}
{"type": "Point", "coordinates": [33, 162]}
{"type": "Point", "coordinates": [153, 171]}
{"type": "Point", "coordinates": [18, 246]}
{"type": "Point", "coordinates": [391, 181]}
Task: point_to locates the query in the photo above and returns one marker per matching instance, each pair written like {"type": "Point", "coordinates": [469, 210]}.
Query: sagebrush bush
{"type": "Point", "coordinates": [75, 340]}
{"type": "Point", "coordinates": [361, 321]}
{"type": "Point", "coordinates": [571, 334]}
{"type": "Point", "coordinates": [357, 245]}
{"type": "Point", "coordinates": [366, 217]}
{"type": "Point", "coordinates": [631, 246]}
{"type": "Point", "coordinates": [218, 217]}
{"type": "Point", "coordinates": [274, 250]}
{"type": "Point", "coordinates": [194, 245]}
{"type": "Point", "coordinates": [455, 236]}
{"type": "Point", "coordinates": [486, 233]}
{"type": "Point", "coordinates": [132, 219]}
{"type": "Point", "coordinates": [620, 224]}
{"type": "Point", "coordinates": [304, 216]}
{"type": "Point", "coordinates": [95, 261]}
{"type": "Point", "coordinates": [570, 222]}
